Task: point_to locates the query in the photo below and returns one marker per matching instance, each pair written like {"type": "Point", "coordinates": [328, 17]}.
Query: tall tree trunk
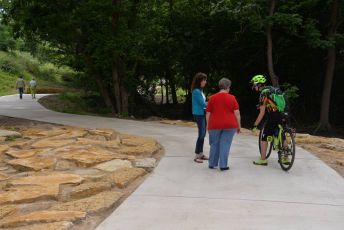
{"type": "Point", "coordinates": [167, 92]}
{"type": "Point", "coordinates": [99, 80]}
{"type": "Point", "coordinates": [123, 88]}
{"type": "Point", "coordinates": [114, 67]}
{"type": "Point", "coordinates": [269, 48]}
{"type": "Point", "coordinates": [162, 91]}
{"type": "Point", "coordinates": [116, 87]}
{"type": "Point", "coordinates": [105, 95]}
{"type": "Point", "coordinates": [324, 122]}
{"type": "Point", "coordinates": [173, 92]}
{"type": "Point", "coordinates": [172, 85]}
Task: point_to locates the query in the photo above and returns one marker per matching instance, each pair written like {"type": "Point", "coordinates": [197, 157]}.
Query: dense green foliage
{"type": "Point", "coordinates": [15, 64]}
{"type": "Point", "coordinates": [127, 48]}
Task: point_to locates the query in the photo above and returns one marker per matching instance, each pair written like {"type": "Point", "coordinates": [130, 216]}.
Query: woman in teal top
{"type": "Point", "coordinates": [198, 107]}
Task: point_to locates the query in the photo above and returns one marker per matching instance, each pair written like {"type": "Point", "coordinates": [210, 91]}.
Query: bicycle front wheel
{"type": "Point", "coordinates": [286, 155]}
{"type": "Point", "coordinates": [269, 149]}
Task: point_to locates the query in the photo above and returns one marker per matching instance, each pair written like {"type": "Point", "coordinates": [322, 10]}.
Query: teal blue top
{"type": "Point", "coordinates": [198, 102]}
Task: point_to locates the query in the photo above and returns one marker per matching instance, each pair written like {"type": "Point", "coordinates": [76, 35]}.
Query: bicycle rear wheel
{"type": "Point", "coordinates": [269, 149]}
{"type": "Point", "coordinates": [288, 150]}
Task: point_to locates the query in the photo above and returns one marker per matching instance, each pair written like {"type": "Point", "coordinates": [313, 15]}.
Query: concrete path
{"type": "Point", "coordinates": [181, 194]}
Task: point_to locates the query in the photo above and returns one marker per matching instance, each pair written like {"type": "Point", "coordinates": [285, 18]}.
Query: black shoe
{"type": "Point", "coordinates": [211, 167]}
{"type": "Point", "coordinates": [223, 169]}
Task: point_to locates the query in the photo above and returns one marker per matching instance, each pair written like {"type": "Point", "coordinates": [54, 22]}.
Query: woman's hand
{"type": "Point", "coordinates": [238, 130]}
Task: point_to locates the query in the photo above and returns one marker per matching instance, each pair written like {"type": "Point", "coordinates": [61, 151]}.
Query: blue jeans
{"type": "Point", "coordinates": [201, 124]}
{"type": "Point", "coordinates": [21, 91]}
{"type": "Point", "coordinates": [220, 141]}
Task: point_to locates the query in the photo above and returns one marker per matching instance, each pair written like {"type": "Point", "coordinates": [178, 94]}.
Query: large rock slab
{"type": "Point", "coordinates": [34, 188]}
{"type": "Point", "coordinates": [97, 203]}
{"type": "Point", "coordinates": [52, 143]}
{"type": "Point", "coordinates": [32, 163]}
{"type": "Point", "coordinates": [55, 179]}
{"type": "Point", "coordinates": [23, 153]}
{"type": "Point", "coordinates": [63, 225]}
{"type": "Point", "coordinates": [136, 140]}
{"type": "Point", "coordinates": [88, 189]}
{"type": "Point", "coordinates": [72, 133]}
{"type": "Point", "coordinates": [90, 174]}
{"type": "Point", "coordinates": [3, 177]}
{"type": "Point", "coordinates": [123, 177]}
{"type": "Point", "coordinates": [109, 134]}
{"type": "Point", "coordinates": [92, 142]}
{"type": "Point", "coordinates": [7, 210]}
{"type": "Point", "coordinates": [146, 163]}
{"type": "Point", "coordinates": [8, 133]}
{"type": "Point", "coordinates": [3, 148]}
{"type": "Point", "coordinates": [28, 194]}
{"type": "Point", "coordinates": [114, 165]}
{"type": "Point", "coordinates": [134, 145]}
{"type": "Point", "coordinates": [48, 133]}
{"type": "Point", "coordinates": [87, 157]}
{"type": "Point", "coordinates": [19, 144]}
{"type": "Point", "coordinates": [41, 217]}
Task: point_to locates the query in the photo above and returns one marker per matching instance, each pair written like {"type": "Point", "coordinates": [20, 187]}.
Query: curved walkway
{"type": "Point", "coordinates": [181, 194]}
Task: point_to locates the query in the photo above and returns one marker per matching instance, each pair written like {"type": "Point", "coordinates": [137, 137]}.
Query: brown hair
{"type": "Point", "coordinates": [198, 78]}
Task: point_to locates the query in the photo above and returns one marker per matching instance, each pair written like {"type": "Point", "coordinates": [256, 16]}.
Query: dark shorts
{"type": "Point", "coordinates": [273, 120]}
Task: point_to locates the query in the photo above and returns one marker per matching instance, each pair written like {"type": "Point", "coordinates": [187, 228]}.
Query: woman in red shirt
{"type": "Point", "coordinates": [223, 119]}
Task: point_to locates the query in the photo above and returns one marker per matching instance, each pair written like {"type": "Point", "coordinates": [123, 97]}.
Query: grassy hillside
{"type": "Point", "coordinates": [49, 77]}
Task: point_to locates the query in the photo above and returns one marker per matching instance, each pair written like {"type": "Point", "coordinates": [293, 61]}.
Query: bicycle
{"type": "Point", "coordinates": [283, 140]}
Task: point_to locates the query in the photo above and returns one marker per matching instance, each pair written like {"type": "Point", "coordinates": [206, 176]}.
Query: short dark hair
{"type": "Point", "coordinates": [198, 78]}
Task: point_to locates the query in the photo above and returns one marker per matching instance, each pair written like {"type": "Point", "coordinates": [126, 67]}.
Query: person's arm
{"type": "Point", "coordinates": [199, 98]}
{"type": "Point", "coordinates": [16, 85]}
{"type": "Point", "coordinates": [238, 118]}
{"type": "Point", "coordinates": [207, 116]}
{"type": "Point", "coordinates": [260, 116]}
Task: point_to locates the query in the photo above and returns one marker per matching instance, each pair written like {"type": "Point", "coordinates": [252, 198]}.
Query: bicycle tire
{"type": "Point", "coordinates": [291, 150]}
{"type": "Point", "coordinates": [269, 149]}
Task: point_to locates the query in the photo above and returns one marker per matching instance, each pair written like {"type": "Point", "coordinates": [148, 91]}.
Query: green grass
{"type": "Point", "coordinates": [48, 76]}
{"type": "Point", "coordinates": [76, 103]}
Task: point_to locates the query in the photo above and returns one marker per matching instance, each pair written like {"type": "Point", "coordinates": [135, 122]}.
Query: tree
{"type": "Point", "coordinates": [335, 22]}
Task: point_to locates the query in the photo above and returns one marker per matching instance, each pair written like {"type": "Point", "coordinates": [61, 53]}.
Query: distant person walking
{"type": "Point", "coordinates": [20, 86]}
{"type": "Point", "coordinates": [223, 117]}
{"type": "Point", "coordinates": [198, 110]}
{"type": "Point", "coordinates": [33, 85]}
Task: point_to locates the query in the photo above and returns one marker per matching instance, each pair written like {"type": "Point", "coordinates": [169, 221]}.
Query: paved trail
{"type": "Point", "coordinates": [181, 194]}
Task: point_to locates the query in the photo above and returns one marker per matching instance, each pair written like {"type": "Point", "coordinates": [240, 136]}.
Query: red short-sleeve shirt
{"type": "Point", "coordinates": [221, 107]}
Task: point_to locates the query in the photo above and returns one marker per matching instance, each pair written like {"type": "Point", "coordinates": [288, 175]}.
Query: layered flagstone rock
{"type": "Point", "coordinates": [23, 153]}
{"type": "Point", "coordinates": [96, 203]}
{"type": "Point", "coordinates": [73, 133]}
{"type": "Point", "coordinates": [52, 143]}
{"type": "Point", "coordinates": [122, 177]}
{"type": "Point", "coordinates": [109, 134]}
{"type": "Point", "coordinates": [27, 194]}
{"type": "Point", "coordinates": [55, 179]}
{"type": "Point", "coordinates": [7, 210]}
{"type": "Point", "coordinates": [63, 225]}
{"type": "Point", "coordinates": [114, 165]}
{"type": "Point", "coordinates": [88, 189]}
{"type": "Point", "coordinates": [56, 175]}
{"type": "Point", "coordinates": [138, 146]}
{"type": "Point", "coordinates": [41, 217]}
{"type": "Point", "coordinates": [109, 144]}
{"type": "Point", "coordinates": [32, 163]}
{"type": "Point", "coordinates": [3, 148]}
{"type": "Point", "coordinates": [3, 177]}
{"type": "Point", "coordinates": [9, 133]}
{"type": "Point", "coordinates": [87, 157]}
{"type": "Point", "coordinates": [146, 163]}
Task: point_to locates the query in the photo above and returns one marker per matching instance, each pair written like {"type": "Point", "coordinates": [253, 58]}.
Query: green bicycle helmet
{"type": "Point", "coordinates": [258, 79]}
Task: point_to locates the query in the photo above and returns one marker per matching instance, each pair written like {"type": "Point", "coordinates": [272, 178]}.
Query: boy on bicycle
{"type": "Point", "coordinates": [274, 116]}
